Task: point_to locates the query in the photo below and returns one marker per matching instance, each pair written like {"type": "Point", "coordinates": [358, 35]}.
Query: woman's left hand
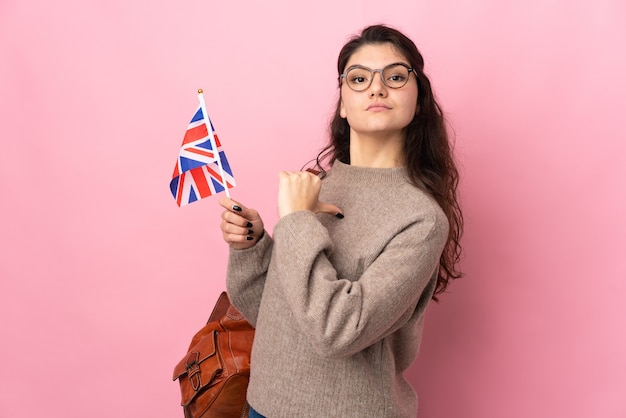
{"type": "Point", "coordinates": [241, 227]}
{"type": "Point", "coordinates": [300, 190]}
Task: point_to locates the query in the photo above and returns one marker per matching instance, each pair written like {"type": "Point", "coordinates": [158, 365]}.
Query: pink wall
{"type": "Point", "coordinates": [104, 279]}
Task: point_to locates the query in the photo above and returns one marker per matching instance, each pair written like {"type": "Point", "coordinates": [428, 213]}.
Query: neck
{"type": "Point", "coordinates": [376, 151]}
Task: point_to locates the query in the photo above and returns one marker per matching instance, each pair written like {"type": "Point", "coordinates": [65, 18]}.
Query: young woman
{"type": "Point", "coordinates": [338, 294]}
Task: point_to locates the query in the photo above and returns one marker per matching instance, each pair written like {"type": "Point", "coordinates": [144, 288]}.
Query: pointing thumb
{"type": "Point", "coordinates": [328, 208]}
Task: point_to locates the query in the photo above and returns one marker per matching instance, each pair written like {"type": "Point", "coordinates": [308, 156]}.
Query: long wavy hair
{"type": "Point", "coordinates": [427, 148]}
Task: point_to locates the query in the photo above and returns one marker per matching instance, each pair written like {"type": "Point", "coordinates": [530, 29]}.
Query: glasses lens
{"type": "Point", "coordinates": [395, 75]}
{"type": "Point", "coordinates": [359, 79]}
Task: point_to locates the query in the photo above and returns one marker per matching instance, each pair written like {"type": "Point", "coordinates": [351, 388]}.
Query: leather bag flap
{"type": "Point", "coordinates": [198, 368]}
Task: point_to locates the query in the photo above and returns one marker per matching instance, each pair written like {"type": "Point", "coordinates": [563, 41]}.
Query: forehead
{"type": "Point", "coordinates": [376, 56]}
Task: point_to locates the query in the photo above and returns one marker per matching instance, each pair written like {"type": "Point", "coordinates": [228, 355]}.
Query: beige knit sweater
{"type": "Point", "coordinates": [338, 304]}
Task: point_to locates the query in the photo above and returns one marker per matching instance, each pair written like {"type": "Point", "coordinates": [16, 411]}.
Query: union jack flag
{"type": "Point", "coordinates": [199, 172]}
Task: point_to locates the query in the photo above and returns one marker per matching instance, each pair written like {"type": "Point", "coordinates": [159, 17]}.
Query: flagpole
{"type": "Point", "coordinates": [213, 144]}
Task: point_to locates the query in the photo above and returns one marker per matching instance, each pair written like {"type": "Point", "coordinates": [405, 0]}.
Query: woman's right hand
{"type": "Point", "coordinates": [241, 227]}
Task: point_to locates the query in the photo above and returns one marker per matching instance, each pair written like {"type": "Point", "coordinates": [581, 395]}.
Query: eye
{"type": "Point", "coordinates": [358, 76]}
{"type": "Point", "coordinates": [397, 77]}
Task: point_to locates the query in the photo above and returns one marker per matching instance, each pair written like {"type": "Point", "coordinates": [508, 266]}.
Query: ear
{"type": "Point", "coordinates": [342, 110]}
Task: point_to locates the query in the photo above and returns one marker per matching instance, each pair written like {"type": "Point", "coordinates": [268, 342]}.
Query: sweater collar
{"type": "Point", "coordinates": [370, 174]}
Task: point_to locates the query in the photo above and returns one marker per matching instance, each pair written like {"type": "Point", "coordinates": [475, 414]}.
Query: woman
{"type": "Point", "coordinates": [338, 294]}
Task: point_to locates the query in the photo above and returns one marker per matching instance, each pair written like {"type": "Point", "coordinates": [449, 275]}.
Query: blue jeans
{"type": "Point", "coordinates": [254, 414]}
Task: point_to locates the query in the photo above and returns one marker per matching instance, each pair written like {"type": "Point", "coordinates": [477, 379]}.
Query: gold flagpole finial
{"type": "Point", "coordinates": [199, 91]}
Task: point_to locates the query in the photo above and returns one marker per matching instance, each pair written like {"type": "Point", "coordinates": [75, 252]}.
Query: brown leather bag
{"type": "Point", "coordinates": [214, 374]}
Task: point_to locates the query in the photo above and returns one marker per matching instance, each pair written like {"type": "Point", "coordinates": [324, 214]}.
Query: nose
{"type": "Point", "coordinates": [378, 88]}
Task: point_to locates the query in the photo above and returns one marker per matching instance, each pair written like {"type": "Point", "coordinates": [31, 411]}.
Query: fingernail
{"type": "Point", "coordinates": [249, 238]}
{"type": "Point", "coordinates": [250, 232]}
{"type": "Point", "coordinates": [249, 225]}
{"type": "Point", "coordinates": [339, 215]}
{"type": "Point", "coordinates": [237, 208]}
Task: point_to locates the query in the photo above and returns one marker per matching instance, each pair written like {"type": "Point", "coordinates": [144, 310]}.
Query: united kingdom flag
{"type": "Point", "coordinates": [199, 171]}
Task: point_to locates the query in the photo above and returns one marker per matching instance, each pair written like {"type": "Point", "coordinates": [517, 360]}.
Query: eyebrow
{"type": "Point", "coordinates": [364, 66]}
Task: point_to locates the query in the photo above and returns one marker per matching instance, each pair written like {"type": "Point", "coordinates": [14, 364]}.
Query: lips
{"type": "Point", "coordinates": [376, 107]}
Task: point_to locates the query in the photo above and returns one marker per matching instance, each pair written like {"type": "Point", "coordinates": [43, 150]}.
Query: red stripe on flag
{"type": "Point", "coordinates": [198, 151]}
{"type": "Point", "coordinates": [218, 177]}
{"type": "Point", "coordinates": [215, 174]}
{"type": "Point", "coordinates": [195, 134]}
{"type": "Point", "coordinates": [201, 182]}
{"type": "Point", "coordinates": [179, 191]}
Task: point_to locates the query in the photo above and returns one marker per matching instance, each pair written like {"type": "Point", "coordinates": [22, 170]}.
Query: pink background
{"type": "Point", "coordinates": [104, 279]}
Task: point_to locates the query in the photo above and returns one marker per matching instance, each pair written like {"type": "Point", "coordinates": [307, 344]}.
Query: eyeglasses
{"type": "Point", "coordinates": [394, 76]}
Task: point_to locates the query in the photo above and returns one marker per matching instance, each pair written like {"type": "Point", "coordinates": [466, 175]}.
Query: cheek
{"type": "Point", "coordinates": [411, 108]}
{"type": "Point", "coordinates": [413, 104]}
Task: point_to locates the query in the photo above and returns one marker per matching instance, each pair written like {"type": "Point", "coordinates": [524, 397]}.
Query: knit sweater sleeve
{"type": "Point", "coordinates": [342, 317]}
{"type": "Point", "coordinates": [245, 277]}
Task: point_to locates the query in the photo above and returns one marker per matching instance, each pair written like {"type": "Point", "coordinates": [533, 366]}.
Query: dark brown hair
{"type": "Point", "coordinates": [427, 148]}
